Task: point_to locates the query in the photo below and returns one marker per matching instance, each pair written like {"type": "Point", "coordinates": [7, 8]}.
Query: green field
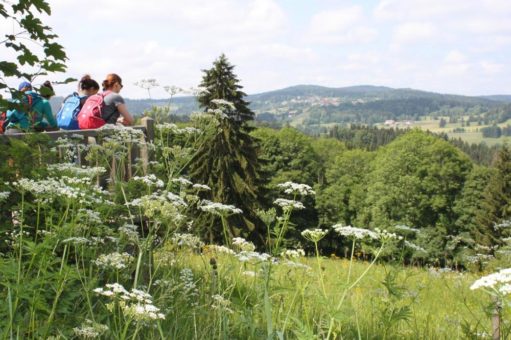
{"type": "Point", "coordinates": [471, 134]}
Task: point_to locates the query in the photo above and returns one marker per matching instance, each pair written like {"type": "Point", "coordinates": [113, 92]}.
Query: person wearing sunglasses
{"type": "Point", "coordinates": [115, 110]}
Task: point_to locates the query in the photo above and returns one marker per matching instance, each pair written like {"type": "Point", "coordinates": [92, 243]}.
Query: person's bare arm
{"type": "Point", "coordinates": [126, 118]}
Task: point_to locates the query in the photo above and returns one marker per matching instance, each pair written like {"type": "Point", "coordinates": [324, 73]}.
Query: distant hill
{"type": "Point", "coordinates": [310, 105]}
{"type": "Point", "coordinates": [506, 98]}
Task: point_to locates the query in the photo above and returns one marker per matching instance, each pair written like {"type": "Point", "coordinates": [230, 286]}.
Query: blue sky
{"type": "Point", "coordinates": [455, 46]}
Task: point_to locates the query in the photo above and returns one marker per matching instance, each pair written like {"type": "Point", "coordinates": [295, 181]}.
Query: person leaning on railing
{"type": "Point", "coordinates": [114, 110]}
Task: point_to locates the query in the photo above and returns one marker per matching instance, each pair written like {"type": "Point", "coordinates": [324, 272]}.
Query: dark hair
{"type": "Point", "coordinates": [110, 81]}
{"type": "Point", "coordinates": [48, 91]}
{"type": "Point", "coordinates": [87, 83]}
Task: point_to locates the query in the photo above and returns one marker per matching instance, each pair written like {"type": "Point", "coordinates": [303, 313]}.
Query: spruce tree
{"type": "Point", "coordinates": [220, 82]}
{"type": "Point", "coordinates": [496, 203]}
{"type": "Point", "coordinates": [226, 157]}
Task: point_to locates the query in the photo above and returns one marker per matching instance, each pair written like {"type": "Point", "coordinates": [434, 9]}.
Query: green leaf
{"type": "Point", "coordinates": [56, 51]}
{"type": "Point", "coordinates": [9, 69]}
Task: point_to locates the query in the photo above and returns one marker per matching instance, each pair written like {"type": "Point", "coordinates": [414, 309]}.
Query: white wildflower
{"type": "Point", "coordinates": [495, 280]}
{"type": "Point", "coordinates": [219, 208]}
{"type": "Point", "coordinates": [249, 273]}
{"type": "Point", "coordinates": [243, 244]}
{"type": "Point", "coordinates": [90, 330]}
{"type": "Point", "coordinates": [293, 253]}
{"type": "Point", "coordinates": [220, 249]}
{"type": "Point", "coordinates": [221, 304]}
{"type": "Point", "coordinates": [4, 195]}
{"type": "Point", "coordinates": [252, 256]}
{"type": "Point", "coordinates": [187, 240]}
{"type": "Point", "coordinates": [224, 103]}
{"type": "Point", "coordinates": [150, 180]}
{"type": "Point", "coordinates": [114, 260]}
{"type": "Point", "coordinates": [358, 233]}
{"type": "Point", "coordinates": [415, 247]}
{"type": "Point", "coordinates": [297, 189]}
{"type": "Point", "coordinates": [289, 204]}
{"type": "Point", "coordinates": [314, 235]}
{"type": "Point", "coordinates": [202, 187]}
{"type": "Point", "coordinates": [182, 181]}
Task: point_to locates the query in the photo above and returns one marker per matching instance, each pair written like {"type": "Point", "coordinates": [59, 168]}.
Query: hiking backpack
{"type": "Point", "coordinates": [89, 116]}
{"type": "Point", "coordinates": [67, 115]}
{"type": "Point", "coordinates": [24, 111]}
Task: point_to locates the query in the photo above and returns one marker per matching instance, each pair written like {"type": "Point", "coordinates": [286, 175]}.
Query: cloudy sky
{"type": "Point", "coordinates": [453, 46]}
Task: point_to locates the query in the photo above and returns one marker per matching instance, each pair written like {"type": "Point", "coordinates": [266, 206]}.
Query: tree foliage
{"type": "Point", "coordinates": [226, 158]}
{"type": "Point", "coordinates": [32, 43]}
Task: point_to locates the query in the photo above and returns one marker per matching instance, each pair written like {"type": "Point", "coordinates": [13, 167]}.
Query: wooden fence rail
{"type": "Point", "coordinates": [90, 137]}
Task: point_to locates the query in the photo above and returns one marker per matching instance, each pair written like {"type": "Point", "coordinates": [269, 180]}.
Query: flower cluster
{"type": "Point", "coordinates": [90, 330]}
{"type": "Point", "coordinates": [242, 244]}
{"type": "Point", "coordinates": [224, 103]}
{"type": "Point", "coordinates": [218, 249]}
{"type": "Point", "coordinates": [352, 232]}
{"type": "Point", "coordinates": [406, 228]}
{"type": "Point", "coordinates": [314, 235]}
{"type": "Point", "coordinates": [297, 189]}
{"type": "Point", "coordinates": [415, 247]}
{"type": "Point", "coordinates": [189, 286]}
{"type": "Point", "coordinates": [221, 304]}
{"type": "Point", "coordinates": [136, 304]}
{"type": "Point", "coordinates": [114, 260]}
{"type": "Point", "coordinates": [384, 235]}
{"type": "Point", "coordinates": [499, 282]}
{"type": "Point", "coordinates": [293, 253]}
{"type": "Point", "coordinates": [74, 170]}
{"type": "Point", "coordinates": [187, 240]}
{"type": "Point", "coordinates": [287, 205]}
{"type": "Point", "coordinates": [182, 181]}
{"type": "Point", "coordinates": [219, 208]}
{"type": "Point", "coordinates": [150, 180]}
{"type": "Point", "coordinates": [252, 256]}
{"type": "Point", "coordinates": [201, 187]}
{"type": "Point", "coordinates": [4, 195]}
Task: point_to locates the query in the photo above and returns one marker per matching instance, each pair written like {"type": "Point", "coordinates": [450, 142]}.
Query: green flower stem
{"type": "Point", "coordinates": [320, 271]}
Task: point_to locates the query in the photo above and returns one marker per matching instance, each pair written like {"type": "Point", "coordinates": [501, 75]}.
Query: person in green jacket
{"type": "Point", "coordinates": [39, 115]}
{"type": "Point", "coordinates": [44, 119]}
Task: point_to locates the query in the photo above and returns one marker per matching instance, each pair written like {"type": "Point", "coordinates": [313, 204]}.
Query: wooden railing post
{"type": "Point", "coordinates": [495, 319]}
{"type": "Point", "coordinates": [148, 124]}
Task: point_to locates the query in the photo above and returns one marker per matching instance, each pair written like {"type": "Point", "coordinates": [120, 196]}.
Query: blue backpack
{"type": "Point", "coordinates": [66, 117]}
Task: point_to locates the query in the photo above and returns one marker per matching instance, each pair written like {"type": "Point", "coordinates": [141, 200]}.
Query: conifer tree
{"type": "Point", "coordinates": [226, 158]}
{"type": "Point", "coordinates": [220, 82]}
{"type": "Point", "coordinates": [496, 204]}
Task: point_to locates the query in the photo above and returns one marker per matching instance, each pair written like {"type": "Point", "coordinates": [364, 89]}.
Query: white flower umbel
{"type": "Point", "coordinates": [4, 195]}
{"type": "Point", "coordinates": [252, 256]}
{"type": "Point", "coordinates": [220, 249]}
{"type": "Point", "coordinates": [201, 187]}
{"type": "Point", "coordinates": [293, 253]}
{"type": "Point", "coordinates": [135, 304]}
{"type": "Point", "coordinates": [114, 260]}
{"type": "Point", "coordinates": [352, 232]}
{"type": "Point", "coordinates": [90, 330]}
{"type": "Point", "coordinates": [384, 235]}
{"type": "Point", "coordinates": [242, 244]}
{"type": "Point", "coordinates": [150, 180]}
{"type": "Point", "coordinates": [221, 304]}
{"type": "Point", "coordinates": [415, 247]}
{"type": "Point", "coordinates": [498, 282]}
{"type": "Point", "coordinates": [286, 204]}
{"type": "Point", "coordinates": [219, 208]}
{"type": "Point", "coordinates": [297, 189]}
{"type": "Point", "coordinates": [314, 235]}
{"type": "Point", "coordinates": [182, 181]}
{"type": "Point", "coordinates": [224, 103]}
{"type": "Point", "coordinates": [187, 240]}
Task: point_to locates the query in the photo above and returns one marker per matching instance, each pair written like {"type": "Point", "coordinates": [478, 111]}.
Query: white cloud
{"type": "Point", "coordinates": [340, 26]}
{"type": "Point", "coordinates": [414, 32]}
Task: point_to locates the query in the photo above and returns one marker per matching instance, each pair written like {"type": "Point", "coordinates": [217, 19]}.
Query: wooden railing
{"type": "Point", "coordinates": [90, 137]}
